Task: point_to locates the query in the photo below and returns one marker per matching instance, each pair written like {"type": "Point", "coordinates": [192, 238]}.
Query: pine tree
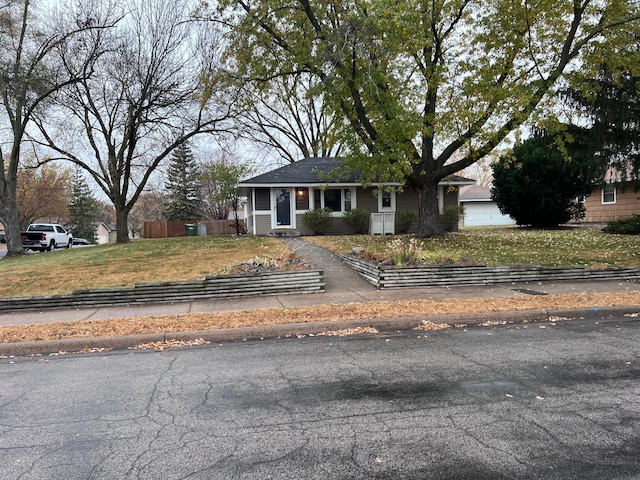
{"type": "Point", "coordinates": [183, 186]}
{"type": "Point", "coordinates": [84, 208]}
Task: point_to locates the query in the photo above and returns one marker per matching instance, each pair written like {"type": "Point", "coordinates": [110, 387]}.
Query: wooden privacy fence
{"type": "Point", "coordinates": [175, 228]}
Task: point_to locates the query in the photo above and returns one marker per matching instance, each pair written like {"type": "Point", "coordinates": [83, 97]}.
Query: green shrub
{"type": "Point", "coordinates": [405, 220]}
{"type": "Point", "coordinates": [318, 220]}
{"type": "Point", "coordinates": [626, 226]}
{"type": "Point", "coordinates": [358, 220]}
{"type": "Point", "coordinates": [451, 216]}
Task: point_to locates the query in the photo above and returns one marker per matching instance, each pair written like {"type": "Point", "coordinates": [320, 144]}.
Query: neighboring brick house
{"type": "Point", "coordinates": [277, 200]}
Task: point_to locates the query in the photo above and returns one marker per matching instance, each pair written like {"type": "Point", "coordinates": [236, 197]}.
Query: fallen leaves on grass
{"type": "Point", "coordinates": [331, 313]}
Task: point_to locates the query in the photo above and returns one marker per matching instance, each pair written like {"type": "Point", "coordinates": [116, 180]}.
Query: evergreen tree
{"type": "Point", "coordinates": [84, 208]}
{"type": "Point", "coordinates": [183, 186]}
{"type": "Point", "coordinates": [612, 100]}
{"type": "Point", "coordinates": [539, 182]}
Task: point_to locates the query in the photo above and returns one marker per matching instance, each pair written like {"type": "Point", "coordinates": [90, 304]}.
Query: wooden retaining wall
{"type": "Point", "coordinates": [444, 275]}
{"type": "Point", "coordinates": [212, 286]}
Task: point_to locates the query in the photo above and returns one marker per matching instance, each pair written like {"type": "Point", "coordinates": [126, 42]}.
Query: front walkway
{"type": "Point", "coordinates": [338, 276]}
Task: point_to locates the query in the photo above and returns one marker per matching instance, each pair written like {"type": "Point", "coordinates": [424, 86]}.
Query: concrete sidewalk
{"type": "Point", "coordinates": [342, 286]}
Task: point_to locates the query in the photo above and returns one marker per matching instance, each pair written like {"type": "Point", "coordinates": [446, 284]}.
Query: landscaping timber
{"type": "Point", "coordinates": [386, 276]}
{"type": "Point", "coordinates": [210, 287]}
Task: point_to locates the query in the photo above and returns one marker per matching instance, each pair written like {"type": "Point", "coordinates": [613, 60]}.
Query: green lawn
{"type": "Point", "coordinates": [507, 246]}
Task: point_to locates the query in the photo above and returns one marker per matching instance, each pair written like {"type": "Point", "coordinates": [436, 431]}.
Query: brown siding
{"type": "Point", "coordinates": [263, 198]}
{"type": "Point", "coordinates": [627, 204]}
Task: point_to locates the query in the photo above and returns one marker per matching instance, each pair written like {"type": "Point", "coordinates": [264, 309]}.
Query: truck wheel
{"type": "Point", "coordinates": [51, 246]}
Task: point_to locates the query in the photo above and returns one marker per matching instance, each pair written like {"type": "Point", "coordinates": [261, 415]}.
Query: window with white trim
{"type": "Point", "coordinates": [608, 194]}
{"type": "Point", "coordinates": [339, 200]}
{"type": "Point", "coordinates": [386, 200]}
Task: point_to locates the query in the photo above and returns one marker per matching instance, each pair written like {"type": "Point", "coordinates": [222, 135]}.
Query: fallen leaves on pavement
{"type": "Point", "coordinates": [169, 344]}
{"type": "Point", "coordinates": [333, 313]}
{"type": "Point", "coordinates": [347, 331]}
{"type": "Point", "coordinates": [432, 326]}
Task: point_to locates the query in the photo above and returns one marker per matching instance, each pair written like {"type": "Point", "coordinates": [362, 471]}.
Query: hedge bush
{"type": "Point", "coordinates": [626, 226]}
{"type": "Point", "coordinates": [318, 220]}
{"type": "Point", "coordinates": [358, 220]}
{"type": "Point", "coordinates": [451, 216]}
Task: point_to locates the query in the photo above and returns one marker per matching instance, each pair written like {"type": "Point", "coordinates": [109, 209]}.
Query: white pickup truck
{"type": "Point", "coordinates": [46, 236]}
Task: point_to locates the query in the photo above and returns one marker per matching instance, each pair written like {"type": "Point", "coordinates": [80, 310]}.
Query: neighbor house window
{"type": "Point", "coordinates": [337, 199]}
{"type": "Point", "coordinates": [609, 194]}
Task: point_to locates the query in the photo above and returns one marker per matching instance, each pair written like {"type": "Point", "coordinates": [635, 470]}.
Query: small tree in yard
{"type": "Point", "coordinates": [183, 186]}
{"type": "Point", "coordinates": [84, 208]}
{"type": "Point", "coordinates": [538, 184]}
{"type": "Point", "coordinates": [219, 179]}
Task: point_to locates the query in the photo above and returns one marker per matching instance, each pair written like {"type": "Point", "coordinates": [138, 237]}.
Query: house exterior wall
{"type": "Point", "coordinates": [627, 203]}
{"type": "Point", "coordinates": [260, 213]}
{"type": "Point", "coordinates": [263, 224]}
{"type": "Point", "coordinates": [450, 197]}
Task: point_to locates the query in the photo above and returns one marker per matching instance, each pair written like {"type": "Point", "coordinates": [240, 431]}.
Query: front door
{"type": "Point", "coordinates": [283, 207]}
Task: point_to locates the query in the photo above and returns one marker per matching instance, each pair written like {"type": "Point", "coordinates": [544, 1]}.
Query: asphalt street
{"type": "Point", "coordinates": [537, 401]}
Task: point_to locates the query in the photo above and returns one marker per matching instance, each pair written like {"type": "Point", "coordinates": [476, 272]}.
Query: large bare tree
{"type": "Point", "coordinates": [144, 100]}
{"type": "Point", "coordinates": [289, 119]}
{"type": "Point", "coordinates": [31, 38]}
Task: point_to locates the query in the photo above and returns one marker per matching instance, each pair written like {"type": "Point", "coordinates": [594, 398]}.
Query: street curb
{"type": "Point", "coordinates": [76, 345]}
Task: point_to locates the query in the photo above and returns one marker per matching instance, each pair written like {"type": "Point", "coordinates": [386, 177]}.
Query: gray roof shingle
{"type": "Point", "coordinates": [314, 170]}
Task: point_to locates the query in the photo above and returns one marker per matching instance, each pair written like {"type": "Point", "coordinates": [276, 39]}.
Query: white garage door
{"type": "Point", "coordinates": [477, 214]}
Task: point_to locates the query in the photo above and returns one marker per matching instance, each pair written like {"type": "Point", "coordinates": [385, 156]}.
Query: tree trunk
{"type": "Point", "coordinates": [429, 222]}
{"type": "Point", "coordinates": [122, 225]}
{"type": "Point", "coordinates": [11, 219]}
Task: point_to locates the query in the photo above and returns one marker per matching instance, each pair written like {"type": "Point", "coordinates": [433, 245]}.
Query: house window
{"type": "Point", "coordinates": [386, 200]}
{"type": "Point", "coordinates": [333, 199]}
{"type": "Point", "coordinates": [302, 198]}
{"type": "Point", "coordinates": [608, 194]}
{"type": "Point", "coordinates": [347, 199]}
{"type": "Point", "coordinates": [581, 198]}
{"type": "Point", "coordinates": [337, 199]}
